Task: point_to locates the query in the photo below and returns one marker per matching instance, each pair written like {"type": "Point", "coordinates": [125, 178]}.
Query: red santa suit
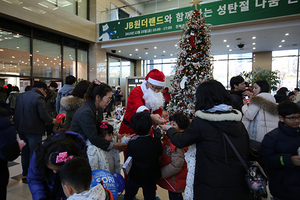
{"type": "Point", "coordinates": [136, 102]}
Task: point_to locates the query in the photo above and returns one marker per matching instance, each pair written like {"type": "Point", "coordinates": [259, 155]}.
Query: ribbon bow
{"type": "Point", "coordinates": [62, 157]}
{"type": "Point", "coordinates": [98, 82]}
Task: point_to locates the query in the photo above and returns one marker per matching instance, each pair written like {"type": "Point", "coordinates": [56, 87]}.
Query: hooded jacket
{"type": "Point", "coordinates": [262, 113]}
{"type": "Point", "coordinates": [219, 175]}
{"type": "Point", "coordinates": [66, 90]}
{"type": "Point", "coordinates": [38, 187]}
{"type": "Point", "coordinates": [70, 104]}
{"type": "Point", "coordinates": [12, 99]}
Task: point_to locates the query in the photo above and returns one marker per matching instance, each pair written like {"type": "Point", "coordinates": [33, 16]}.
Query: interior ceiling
{"type": "Point", "coordinates": [270, 34]}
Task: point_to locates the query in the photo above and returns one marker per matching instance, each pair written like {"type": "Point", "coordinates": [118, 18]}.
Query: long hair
{"type": "Point", "coordinates": [48, 150]}
{"type": "Point", "coordinates": [97, 88]}
{"type": "Point", "coordinates": [211, 93]}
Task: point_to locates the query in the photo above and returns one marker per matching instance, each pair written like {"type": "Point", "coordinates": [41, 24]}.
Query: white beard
{"type": "Point", "coordinates": [153, 100]}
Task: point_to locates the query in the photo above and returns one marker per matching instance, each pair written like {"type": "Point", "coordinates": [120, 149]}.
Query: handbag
{"type": "Point", "coordinates": [255, 176]}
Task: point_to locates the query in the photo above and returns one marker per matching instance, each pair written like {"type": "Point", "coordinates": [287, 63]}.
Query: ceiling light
{"type": "Point", "coordinates": [136, 49]}
{"type": "Point", "coordinates": [47, 58]}
{"type": "Point", "coordinates": [224, 40]}
{"type": "Point", "coordinates": [280, 46]}
{"type": "Point", "coordinates": [230, 49]}
{"type": "Point", "coordinates": [171, 54]}
{"type": "Point", "coordinates": [164, 51]}
{"type": "Point", "coordinates": [282, 40]}
{"type": "Point", "coordinates": [155, 47]}
{"type": "Point", "coordinates": [1, 49]}
{"type": "Point", "coordinates": [253, 37]}
{"type": "Point", "coordinates": [130, 54]}
{"type": "Point", "coordinates": [227, 46]}
{"type": "Point", "coordinates": [146, 53]}
{"type": "Point", "coordinates": [254, 48]}
{"type": "Point", "coordinates": [286, 34]}
{"type": "Point", "coordinates": [140, 57]}
{"type": "Point", "coordinates": [12, 57]}
{"type": "Point", "coordinates": [119, 51]}
{"type": "Point", "coordinates": [253, 43]}
{"type": "Point", "coordinates": [17, 47]}
{"type": "Point", "coordinates": [154, 56]}
{"type": "Point", "coordinates": [37, 51]}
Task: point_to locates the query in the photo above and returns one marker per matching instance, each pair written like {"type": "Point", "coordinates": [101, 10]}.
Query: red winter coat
{"type": "Point", "coordinates": [173, 167]}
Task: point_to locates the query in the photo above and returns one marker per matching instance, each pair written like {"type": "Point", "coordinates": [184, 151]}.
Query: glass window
{"type": "Point", "coordinates": [284, 53]}
{"type": "Point", "coordinates": [238, 66]}
{"type": "Point", "coordinates": [68, 5]}
{"type": "Point", "coordinates": [287, 67]}
{"type": "Point", "coordinates": [82, 9]}
{"type": "Point", "coordinates": [46, 59]}
{"type": "Point", "coordinates": [237, 56]}
{"type": "Point", "coordinates": [69, 66]}
{"type": "Point", "coordinates": [220, 71]}
{"type": "Point", "coordinates": [82, 64]}
{"type": "Point", "coordinates": [114, 66]}
{"type": "Point", "coordinates": [14, 54]}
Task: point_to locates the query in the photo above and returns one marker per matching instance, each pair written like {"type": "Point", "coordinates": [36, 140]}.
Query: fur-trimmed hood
{"type": "Point", "coordinates": [225, 121]}
{"type": "Point", "coordinates": [71, 102]}
{"type": "Point", "coordinates": [234, 115]}
{"type": "Point", "coordinates": [265, 104]}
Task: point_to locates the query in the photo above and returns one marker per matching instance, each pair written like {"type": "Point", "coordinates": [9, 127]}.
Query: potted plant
{"type": "Point", "coordinates": [262, 74]}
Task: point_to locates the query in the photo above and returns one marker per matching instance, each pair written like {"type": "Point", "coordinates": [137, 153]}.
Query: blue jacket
{"type": "Point", "coordinates": [31, 113]}
{"type": "Point", "coordinates": [277, 148]}
{"type": "Point", "coordinates": [118, 97]}
{"type": "Point", "coordinates": [9, 147]}
{"type": "Point", "coordinates": [66, 90]}
{"type": "Point", "coordinates": [40, 189]}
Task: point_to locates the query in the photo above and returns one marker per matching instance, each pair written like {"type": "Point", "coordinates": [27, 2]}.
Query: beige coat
{"type": "Point", "coordinates": [264, 106]}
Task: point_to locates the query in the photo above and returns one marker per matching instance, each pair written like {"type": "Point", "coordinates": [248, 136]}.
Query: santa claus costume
{"type": "Point", "coordinates": [142, 99]}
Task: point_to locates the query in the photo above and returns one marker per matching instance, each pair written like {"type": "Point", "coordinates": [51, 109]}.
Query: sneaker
{"type": "Point", "coordinates": [24, 180]}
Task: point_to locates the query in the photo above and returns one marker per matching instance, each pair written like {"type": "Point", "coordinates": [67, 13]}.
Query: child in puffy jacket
{"type": "Point", "coordinates": [172, 163]}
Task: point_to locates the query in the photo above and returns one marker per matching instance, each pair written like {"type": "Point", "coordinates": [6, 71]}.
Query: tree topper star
{"type": "Point", "coordinates": [196, 2]}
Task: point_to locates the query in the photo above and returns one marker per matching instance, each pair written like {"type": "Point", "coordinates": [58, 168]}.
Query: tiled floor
{"type": "Point", "coordinates": [16, 190]}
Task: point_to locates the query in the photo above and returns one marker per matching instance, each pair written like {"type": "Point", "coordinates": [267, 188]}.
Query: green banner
{"type": "Point", "coordinates": [215, 13]}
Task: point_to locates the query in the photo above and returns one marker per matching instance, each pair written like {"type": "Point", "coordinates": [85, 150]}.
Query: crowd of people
{"type": "Point", "coordinates": [179, 154]}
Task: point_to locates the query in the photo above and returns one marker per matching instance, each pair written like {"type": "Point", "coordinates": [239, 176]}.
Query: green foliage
{"type": "Point", "coordinates": [262, 74]}
{"type": "Point", "coordinates": [78, 80]}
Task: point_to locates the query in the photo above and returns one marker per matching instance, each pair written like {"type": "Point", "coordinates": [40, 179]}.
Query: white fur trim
{"type": "Point", "coordinates": [143, 86]}
{"type": "Point", "coordinates": [141, 109]}
{"type": "Point", "coordinates": [156, 82]}
{"type": "Point", "coordinates": [220, 117]}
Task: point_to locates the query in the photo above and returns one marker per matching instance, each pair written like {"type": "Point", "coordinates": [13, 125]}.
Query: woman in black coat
{"type": "Point", "coordinates": [218, 173]}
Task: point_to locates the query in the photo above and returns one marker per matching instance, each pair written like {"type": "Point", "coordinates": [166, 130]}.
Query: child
{"type": "Point", "coordinates": [100, 159]}
{"type": "Point", "coordinates": [173, 166]}
{"type": "Point", "coordinates": [76, 178]}
{"type": "Point", "coordinates": [47, 160]}
{"type": "Point", "coordinates": [279, 153]}
{"type": "Point", "coordinates": [145, 151]}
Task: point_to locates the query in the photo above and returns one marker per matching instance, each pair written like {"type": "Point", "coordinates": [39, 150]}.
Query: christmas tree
{"type": "Point", "coordinates": [193, 64]}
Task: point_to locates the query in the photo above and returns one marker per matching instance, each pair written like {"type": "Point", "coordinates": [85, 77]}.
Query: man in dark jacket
{"type": "Point", "coordinates": [51, 104]}
{"type": "Point", "coordinates": [118, 96]}
{"type": "Point", "coordinates": [30, 118]}
{"type": "Point", "coordinates": [237, 92]}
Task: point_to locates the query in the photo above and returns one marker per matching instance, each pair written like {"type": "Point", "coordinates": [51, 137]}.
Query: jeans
{"type": "Point", "coordinates": [175, 196]}
{"type": "Point", "coordinates": [31, 141]}
{"type": "Point", "coordinates": [132, 188]}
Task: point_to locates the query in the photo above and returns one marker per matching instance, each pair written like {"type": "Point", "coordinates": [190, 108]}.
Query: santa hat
{"type": "Point", "coordinates": [156, 77]}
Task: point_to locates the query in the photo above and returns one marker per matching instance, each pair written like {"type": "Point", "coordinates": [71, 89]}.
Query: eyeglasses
{"type": "Point", "coordinates": [108, 99]}
{"type": "Point", "coordinates": [293, 118]}
{"type": "Point", "coordinates": [156, 88]}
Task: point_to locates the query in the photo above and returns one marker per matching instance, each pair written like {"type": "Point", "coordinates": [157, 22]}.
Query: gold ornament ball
{"type": "Point", "coordinates": [178, 102]}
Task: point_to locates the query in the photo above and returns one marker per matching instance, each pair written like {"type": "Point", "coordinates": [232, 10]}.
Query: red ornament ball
{"type": "Point", "coordinates": [190, 96]}
{"type": "Point", "coordinates": [201, 54]}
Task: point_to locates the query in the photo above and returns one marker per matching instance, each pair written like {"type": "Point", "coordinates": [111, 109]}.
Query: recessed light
{"type": "Point", "coordinates": [224, 40]}
{"type": "Point", "coordinates": [280, 46]}
{"type": "Point", "coordinates": [1, 49]}
{"type": "Point", "coordinates": [287, 34]}
{"type": "Point", "coordinates": [47, 58]}
{"type": "Point", "coordinates": [230, 49]}
{"type": "Point", "coordinates": [130, 54]}
{"type": "Point", "coordinates": [253, 43]}
{"type": "Point", "coordinates": [13, 57]}
{"type": "Point", "coordinates": [171, 54]}
{"type": "Point", "coordinates": [17, 47]}
{"type": "Point", "coordinates": [119, 51]}
{"type": "Point", "coordinates": [154, 56]}
{"type": "Point", "coordinates": [136, 49]}
{"type": "Point", "coordinates": [164, 51]}
{"type": "Point", "coordinates": [228, 45]}
{"type": "Point", "coordinates": [140, 57]}
{"type": "Point", "coordinates": [37, 51]}
{"type": "Point", "coordinates": [146, 53]}
{"type": "Point", "coordinates": [282, 40]}
{"type": "Point", "coordinates": [254, 48]}
{"type": "Point", "coordinates": [253, 37]}
{"type": "Point", "coordinates": [155, 47]}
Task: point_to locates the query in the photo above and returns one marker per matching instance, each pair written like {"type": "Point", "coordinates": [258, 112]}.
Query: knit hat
{"type": "Point", "coordinates": [156, 77]}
